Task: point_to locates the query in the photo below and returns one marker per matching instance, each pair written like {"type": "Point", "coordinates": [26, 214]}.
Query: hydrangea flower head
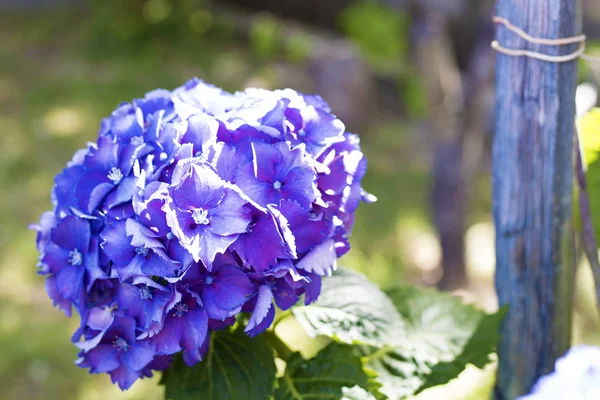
{"type": "Point", "coordinates": [576, 376]}
{"type": "Point", "coordinates": [193, 207]}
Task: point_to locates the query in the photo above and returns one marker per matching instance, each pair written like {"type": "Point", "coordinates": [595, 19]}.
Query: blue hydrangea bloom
{"type": "Point", "coordinates": [576, 376]}
{"type": "Point", "coordinates": [192, 207]}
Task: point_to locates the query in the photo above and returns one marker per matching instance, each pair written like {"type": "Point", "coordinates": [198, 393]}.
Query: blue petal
{"type": "Point", "coordinates": [139, 355]}
{"type": "Point", "coordinates": [103, 358]}
{"type": "Point", "coordinates": [116, 244]}
{"type": "Point", "coordinates": [202, 129]}
{"type": "Point", "coordinates": [91, 190]}
{"type": "Point", "coordinates": [72, 233]}
{"type": "Point", "coordinates": [124, 376]}
{"type": "Point", "coordinates": [320, 260]}
{"type": "Point", "coordinates": [69, 281]}
{"type": "Point", "coordinates": [263, 313]}
{"type": "Point", "coordinates": [103, 157]}
{"type": "Point", "coordinates": [195, 333]}
{"type": "Point", "coordinates": [124, 192]}
{"type": "Point", "coordinates": [232, 288]}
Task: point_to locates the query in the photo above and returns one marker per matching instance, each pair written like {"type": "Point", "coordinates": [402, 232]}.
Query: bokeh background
{"type": "Point", "coordinates": [413, 77]}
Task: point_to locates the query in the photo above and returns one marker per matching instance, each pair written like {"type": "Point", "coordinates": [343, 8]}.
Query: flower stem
{"type": "Point", "coordinates": [282, 349]}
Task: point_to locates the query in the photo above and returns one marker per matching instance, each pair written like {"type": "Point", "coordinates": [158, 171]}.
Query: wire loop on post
{"type": "Point", "coordinates": [579, 53]}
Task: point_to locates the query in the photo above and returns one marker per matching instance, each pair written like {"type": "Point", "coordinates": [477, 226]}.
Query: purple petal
{"type": "Point", "coordinates": [65, 186]}
{"type": "Point", "coordinates": [103, 358]}
{"type": "Point", "coordinates": [195, 336]}
{"type": "Point", "coordinates": [334, 182]}
{"type": "Point", "coordinates": [130, 301]}
{"type": "Point", "coordinates": [259, 191]}
{"type": "Point", "coordinates": [227, 160]}
{"type": "Point", "coordinates": [307, 231]}
{"type": "Point", "coordinates": [131, 269]}
{"type": "Point", "coordinates": [139, 355]}
{"type": "Point", "coordinates": [43, 228]}
{"type": "Point", "coordinates": [230, 217]}
{"type": "Point", "coordinates": [100, 318]}
{"type": "Point", "coordinates": [57, 299]}
{"type": "Point", "coordinates": [300, 187]}
{"type": "Point", "coordinates": [92, 266]}
{"type": "Point", "coordinates": [55, 258]}
{"type": "Point", "coordinates": [320, 260]}
{"type": "Point", "coordinates": [284, 295]}
{"type": "Point", "coordinates": [202, 187]}
{"type": "Point", "coordinates": [167, 340]}
{"type": "Point", "coordinates": [263, 313]}
{"type": "Point", "coordinates": [116, 244]}
{"type": "Point", "coordinates": [69, 281]}
{"type": "Point", "coordinates": [104, 156]}
{"type": "Point", "coordinates": [72, 233]}
{"type": "Point", "coordinates": [91, 190]}
{"type": "Point", "coordinates": [213, 311]}
{"type": "Point", "coordinates": [141, 236]}
{"type": "Point", "coordinates": [209, 245]}
{"type": "Point", "coordinates": [124, 192]}
{"type": "Point", "coordinates": [124, 376]}
{"type": "Point", "coordinates": [157, 265]}
{"type": "Point", "coordinates": [120, 212]}
{"type": "Point", "coordinates": [158, 99]}
{"type": "Point", "coordinates": [154, 218]}
{"type": "Point", "coordinates": [201, 129]}
{"type": "Point", "coordinates": [232, 288]}
{"type": "Point", "coordinates": [261, 247]}
{"type": "Point", "coordinates": [312, 288]}
{"type": "Point", "coordinates": [266, 161]}
{"type": "Point", "coordinates": [125, 122]}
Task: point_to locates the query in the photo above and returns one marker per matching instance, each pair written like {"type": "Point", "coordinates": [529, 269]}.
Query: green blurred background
{"type": "Point", "coordinates": [66, 64]}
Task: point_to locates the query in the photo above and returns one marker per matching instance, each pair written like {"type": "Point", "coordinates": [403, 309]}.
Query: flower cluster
{"type": "Point", "coordinates": [192, 207]}
{"type": "Point", "coordinates": [576, 376]}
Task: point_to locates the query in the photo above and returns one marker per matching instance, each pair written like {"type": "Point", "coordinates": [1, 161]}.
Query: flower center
{"type": "Point", "coordinates": [180, 309]}
{"type": "Point", "coordinates": [137, 140]}
{"type": "Point", "coordinates": [200, 216]}
{"type": "Point", "coordinates": [209, 280]}
{"type": "Point", "coordinates": [301, 133]}
{"type": "Point", "coordinates": [143, 251]}
{"type": "Point", "coordinates": [276, 185]}
{"type": "Point", "coordinates": [75, 257]}
{"type": "Point", "coordinates": [121, 344]}
{"type": "Point", "coordinates": [145, 293]}
{"type": "Point", "coordinates": [115, 175]}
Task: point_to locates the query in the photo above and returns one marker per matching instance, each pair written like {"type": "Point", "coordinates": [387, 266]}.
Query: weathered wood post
{"type": "Point", "coordinates": [532, 192]}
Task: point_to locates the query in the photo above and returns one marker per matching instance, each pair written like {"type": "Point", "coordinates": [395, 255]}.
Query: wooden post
{"type": "Point", "coordinates": [532, 193]}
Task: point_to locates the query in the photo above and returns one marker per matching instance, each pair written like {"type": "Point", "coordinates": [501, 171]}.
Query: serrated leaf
{"type": "Point", "coordinates": [331, 374]}
{"type": "Point", "coordinates": [356, 393]}
{"type": "Point", "coordinates": [236, 367]}
{"type": "Point", "coordinates": [441, 337]}
{"type": "Point", "coordinates": [475, 352]}
{"type": "Point", "coordinates": [351, 310]}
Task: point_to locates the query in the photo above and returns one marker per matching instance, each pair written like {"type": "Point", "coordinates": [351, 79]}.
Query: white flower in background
{"type": "Point", "coordinates": [576, 377]}
{"type": "Point", "coordinates": [585, 98]}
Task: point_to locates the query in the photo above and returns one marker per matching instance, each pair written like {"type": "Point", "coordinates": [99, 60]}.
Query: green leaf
{"type": "Point", "coordinates": [476, 351]}
{"type": "Point", "coordinates": [350, 309]}
{"type": "Point", "coordinates": [236, 367]}
{"type": "Point", "coordinates": [589, 137]}
{"type": "Point", "coordinates": [356, 393]}
{"type": "Point", "coordinates": [332, 374]}
{"type": "Point", "coordinates": [440, 337]}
